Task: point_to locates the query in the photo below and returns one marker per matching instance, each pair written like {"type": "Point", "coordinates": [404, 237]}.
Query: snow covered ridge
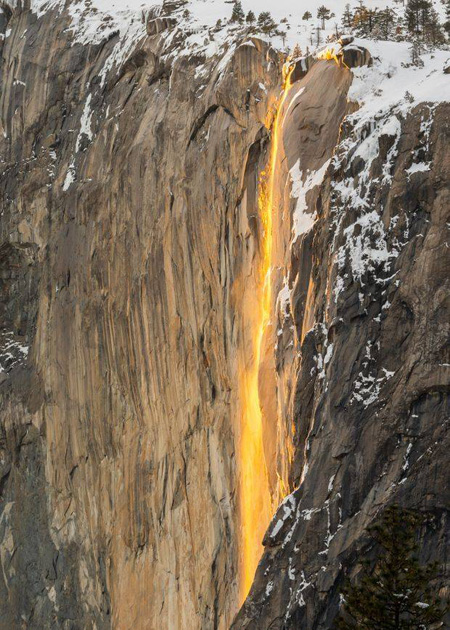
{"type": "Point", "coordinates": [203, 27]}
{"type": "Point", "coordinates": [206, 28]}
{"type": "Point", "coordinates": [394, 80]}
{"type": "Point", "coordinates": [208, 23]}
{"type": "Point", "coordinates": [386, 93]}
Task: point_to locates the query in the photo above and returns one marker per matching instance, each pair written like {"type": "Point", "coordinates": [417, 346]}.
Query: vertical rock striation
{"type": "Point", "coordinates": [129, 231]}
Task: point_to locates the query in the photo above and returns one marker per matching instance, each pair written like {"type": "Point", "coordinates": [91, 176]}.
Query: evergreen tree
{"type": "Point", "coordinates": [432, 30]}
{"type": "Point", "coordinates": [323, 14]}
{"type": "Point", "coordinates": [251, 18]}
{"type": "Point", "coordinates": [266, 23]}
{"type": "Point", "coordinates": [364, 20]}
{"type": "Point", "coordinates": [447, 18]}
{"type": "Point", "coordinates": [318, 37]}
{"type": "Point", "coordinates": [415, 51]}
{"type": "Point", "coordinates": [347, 17]}
{"type": "Point", "coordinates": [297, 52]}
{"type": "Point", "coordinates": [237, 14]}
{"type": "Point", "coordinates": [422, 21]}
{"type": "Point", "coordinates": [307, 15]}
{"type": "Point", "coordinates": [417, 14]}
{"type": "Point", "coordinates": [397, 593]}
{"type": "Point", "coordinates": [386, 20]}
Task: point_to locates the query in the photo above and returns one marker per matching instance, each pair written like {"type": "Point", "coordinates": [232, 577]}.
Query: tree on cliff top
{"type": "Point", "coordinates": [237, 14]}
{"type": "Point", "coordinates": [396, 594]}
{"type": "Point", "coordinates": [323, 14]}
{"type": "Point", "coordinates": [347, 17]}
{"type": "Point", "coordinates": [266, 23]}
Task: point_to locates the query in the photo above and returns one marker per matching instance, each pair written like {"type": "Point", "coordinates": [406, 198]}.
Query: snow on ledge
{"type": "Point", "coordinates": [301, 186]}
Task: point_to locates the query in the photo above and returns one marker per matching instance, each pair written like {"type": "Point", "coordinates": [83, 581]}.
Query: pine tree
{"type": "Point", "coordinates": [385, 23]}
{"type": "Point", "coordinates": [323, 14]}
{"type": "Point", "coordinates": [265, 22]}
{"type": "Point", "coordinates": [422, 21]}
{"type": "Point", "coordinates": [237, 14]}
{"type": "Point", "coordinates": [447, 18]}
{"type": "Point", "coordinates": [347, 17]}
{"type": "Point", "coordinates": [297, 52]}
{"type": "Point", "coordinates": [417, 15]}
{"type": "Point", "coordinates": [364, 20]}
{"type": "Point", "coordinates": [318, 37]}
{"type": "Point", "coordinates": [251, 18]}
{"type": "Point", "coordinates": [360, 20]}
{"type": "Point", "coordinates": [432, 30]}
{"type": "Point", "coordinates": [397, 593]}
{"type": "Point", "coordinates": [415, 51]}
{"type": "Point", "coordinates": [307, 15]}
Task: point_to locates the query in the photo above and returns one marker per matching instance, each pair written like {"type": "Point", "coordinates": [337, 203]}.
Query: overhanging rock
{"type": "Point", "coordinates": [356, 56]}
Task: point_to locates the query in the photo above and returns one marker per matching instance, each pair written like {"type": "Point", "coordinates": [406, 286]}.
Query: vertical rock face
{"type": "Point", "coordinates": [126, 241]}
{"type": "Point", "coordinates": [371, 388]}
{"type": "Point", "coordinates": [130, 239]}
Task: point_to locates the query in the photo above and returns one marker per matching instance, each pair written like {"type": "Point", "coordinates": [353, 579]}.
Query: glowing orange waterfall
{"type": "Point", "coordinates": [256, 507]}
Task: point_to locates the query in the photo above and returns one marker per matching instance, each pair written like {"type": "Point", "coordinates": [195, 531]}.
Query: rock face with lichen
{"type": "Point", "coordinates": [129, 239]}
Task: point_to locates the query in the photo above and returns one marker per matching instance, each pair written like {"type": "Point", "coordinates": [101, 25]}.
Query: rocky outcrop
{"type": "Point", "coordinates": [371, 402]}
{"type": "Point", "coordinates": [356, 56]}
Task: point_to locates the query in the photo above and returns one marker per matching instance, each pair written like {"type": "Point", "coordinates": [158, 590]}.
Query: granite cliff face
{"type": "Point", "coordinates": [371, 393]}
{"type": "Point", "coordinates": [130, 249]}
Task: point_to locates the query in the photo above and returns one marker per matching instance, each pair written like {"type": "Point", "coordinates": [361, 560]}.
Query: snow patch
{"type": "Point", "coordinates": [301, 186]}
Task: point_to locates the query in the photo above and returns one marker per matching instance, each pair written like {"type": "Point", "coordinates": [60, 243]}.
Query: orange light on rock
{"type": "Point", "coordinates": [330, 53]}
{"type": "Point", "coordinates": [255, 501]}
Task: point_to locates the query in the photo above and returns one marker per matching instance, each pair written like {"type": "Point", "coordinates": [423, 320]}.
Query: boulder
{"type": "Point", "coordinates": [356, 56]}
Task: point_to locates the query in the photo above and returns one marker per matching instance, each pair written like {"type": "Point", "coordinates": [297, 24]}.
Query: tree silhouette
{"type": "Point", "coordinates": [417, 15]}
{"type": "Point", "coordinates": [237, 14]}
{"type": "Point", "coordinates": [297, 52]}
{"type": "Point", "coordinates": [385, 23]}
{"type": "Point", "coordinates": [364, 20]}
{"type": "Point", "coordinates": [250, 17]}
{"type": "Point", "coordinates": [266, 23]}
{"type": "Point", "coordinates": [347, 17]}
{"type": "Point", "coordinates": [323, 14]}
{"type": "Point", "coordinates": [396, 594]}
